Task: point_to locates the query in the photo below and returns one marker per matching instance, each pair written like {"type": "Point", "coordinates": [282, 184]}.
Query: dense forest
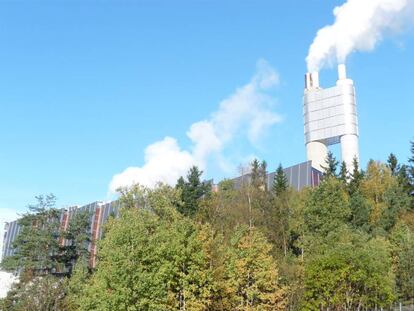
{"type": "Point", "coordinates": [347, 244]}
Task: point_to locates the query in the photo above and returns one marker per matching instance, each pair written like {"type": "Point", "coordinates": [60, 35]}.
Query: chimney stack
{"type": "Point", "coordinates": [341, 72]}
{"type": "Point", "coordinates": [312, 80]}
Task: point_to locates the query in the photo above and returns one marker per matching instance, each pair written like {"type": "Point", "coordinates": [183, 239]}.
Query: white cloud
{"type": "Point", "coordinates": [359, 25]}
{"type": "Point", "coordinates": [247, 112]}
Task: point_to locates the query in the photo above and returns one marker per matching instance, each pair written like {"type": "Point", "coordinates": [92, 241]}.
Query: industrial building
{"type": "Point", "coordinates": [299, 176]}
{"type": "Point", "coordinates": [99, 212]}
{"type": "Point", "coordinates": [330, 117]}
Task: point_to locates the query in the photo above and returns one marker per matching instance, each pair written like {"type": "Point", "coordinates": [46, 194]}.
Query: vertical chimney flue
{"type": "Point", "coordinates": [341, 72]}
{"type": "Point", "coordinates": [315, 79]}
{"type": "Point", "coordinates": [307, 81]}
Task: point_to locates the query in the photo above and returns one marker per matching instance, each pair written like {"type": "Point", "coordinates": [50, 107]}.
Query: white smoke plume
{"type": "Point", "coordinates": [359, 25]}
{"type": "Point", "coordinates": [247, 111]}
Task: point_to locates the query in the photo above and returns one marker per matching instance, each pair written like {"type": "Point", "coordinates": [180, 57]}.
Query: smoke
{"type": "Point", "coordinates": [359, 25]}
{"type": "Point", "coordinates": [247, 112]}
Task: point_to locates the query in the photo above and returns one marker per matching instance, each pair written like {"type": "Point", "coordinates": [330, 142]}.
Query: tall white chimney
{"type": "Point", "coordinates": [330, 117]}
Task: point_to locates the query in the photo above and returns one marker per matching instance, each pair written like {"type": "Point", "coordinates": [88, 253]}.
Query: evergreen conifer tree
{"type": "Point", "coordinates": [280, 182]}
{"type": "Point", "coordinates": [356, 177]}
{"type": "Point", "coordinates": [343, 172]}
{"type": "Point", "coordinates": [329, 170]}
{"type": "Point", "coordinates": [392, 164]}
{"type": "Point", "coordinates": [37, 244]}
{"type": "Point", "coordinates": [192, 190]}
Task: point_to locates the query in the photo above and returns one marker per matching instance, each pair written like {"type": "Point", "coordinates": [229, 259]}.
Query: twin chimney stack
{"type": "Point", "coordinates": [330, 117]}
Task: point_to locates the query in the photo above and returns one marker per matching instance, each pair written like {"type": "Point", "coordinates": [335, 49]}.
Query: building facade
{"type": "Point", "coordinates": [330, 117]}
{"type": "Point", "coordinates": [299, 176]}
{"type": "Point", "coordinates": [99, 212]}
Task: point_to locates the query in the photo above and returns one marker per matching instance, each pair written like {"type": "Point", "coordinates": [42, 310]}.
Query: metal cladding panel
{"type": "Point", "coordinates": [10, 235]}
{"type": "Point", "coordinates": [108, 210]}
{"type": "Point", "coordinates": [298, 176]}
{"type": "Point", "coordinates": [329, 114]}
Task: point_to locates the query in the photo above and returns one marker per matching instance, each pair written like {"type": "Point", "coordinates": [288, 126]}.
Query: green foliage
{"type": "Point", "coordinates": [392, 164]}
{"type": "Point", "coordinates": [352, 274]}
{"type": "Point", "coordinates": [75, 286]}
{"type": "Point", "coordinates": [192, 191]}
{"type": "Point", "coordinates": [360, 212]}
{"type": "Point", "coordinates": [356, 177]}
{"type": "Point", "coordinates": [77, 238]}
{"type": "Point", "coordinates": [331, 165]}
{"type": "Point", "coordinates": [37, 244]}
{"type": "Point", "coordinates": [402, 239]}
{"type": "Point", "coordinates": [258, 175]}
{"type": "Point", "coordinates": [280, 182]}
{"type": "Point", "coordinates": [343, 172]}
{"type": "Point", "coordinates": [251, 274]}
{"type": "Point", "coordinates": [347, 244]}
{"type": "Point", "coordinates": [326, 210]}
{"type": "Point", "coordinates": [151, 259]}
{"type": "Point", "coordinates": [43, 293]}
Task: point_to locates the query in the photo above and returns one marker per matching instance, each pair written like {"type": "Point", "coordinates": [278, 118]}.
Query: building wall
{"type": "Point", "coordinates": [299, 176]}
{"type": "Point", "coordinates": [99, 214]}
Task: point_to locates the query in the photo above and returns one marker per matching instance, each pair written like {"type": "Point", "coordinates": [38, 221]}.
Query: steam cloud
{"type": "Point", "coordinates": [359, 25]}
{"type": "Point", "coordinates": [247, 111]}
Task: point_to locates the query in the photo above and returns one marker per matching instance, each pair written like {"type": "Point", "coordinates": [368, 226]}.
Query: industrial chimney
{"type": "Point", "coordinates": [330, 117]}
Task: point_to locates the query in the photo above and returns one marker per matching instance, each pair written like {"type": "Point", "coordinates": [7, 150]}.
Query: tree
{"type": "Point", "coordinates": [151, 258]}
{"type": "Point", "coordinates": [43, 293]}
{"type": "Point", "coordinates": [280, 182]}
{"type": "Point", "coordinates": [360, 212]}
{"type": "Point", "coordinates": [76, 286]}
{"type": "Point", "coordinates": [353, 274]}
{"type": "Point", "coordinates": [356, 177]}
{"type": "Point", "coordinates": [37, 244]}
{"type": "Point", "coordinates": [263, 174]}
{"type": "Point", "coordinates": [343, 173]}
{"type": "Point", "coordinates": [255, 174]}
{"type": "Point", "coordinates": [403, 178]}
{"type": "Point", "coordinates": [251, 274]}
{"type": "Point", "coordinates": [326, 210]}
{"type": "Point", "coordinates": [411, 169]}
{"type": "Point", "coordinates": [392, 164]}
{"type": "Point", "coordinates": [402, 239]}
{"type": "Point", "coordinates": [77, 238]}
{"type": "Point", "coordinates": [192, 191]}
{"type": "Point", "coordinates": [329, 170]}
{"type": "Point", "coordinates": [377, 181]}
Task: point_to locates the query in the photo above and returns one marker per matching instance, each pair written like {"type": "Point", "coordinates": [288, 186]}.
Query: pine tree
{"type": "Point", "coordinates": [343, 172]}
{"type": "Point", "coordinates": [37, 244]}
{"type": "Point", "coordinates": [255, 174]}
{"type": "Point", "coordinates": [392, 164]}
{"type": "Point", "coordinates": [192, 190]}
{"type": "Point", "coordinates": [356, 177]}
{"type": "Point", "coordinates": [280, 182]}
{"type": "Point", "coordinates": [77, 239]}
{"type": "Point", "coordinates": [329, 170]}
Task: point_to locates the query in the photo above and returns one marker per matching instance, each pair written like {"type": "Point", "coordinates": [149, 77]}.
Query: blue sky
{"type": "Point", "coordinates": [86, 86]}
